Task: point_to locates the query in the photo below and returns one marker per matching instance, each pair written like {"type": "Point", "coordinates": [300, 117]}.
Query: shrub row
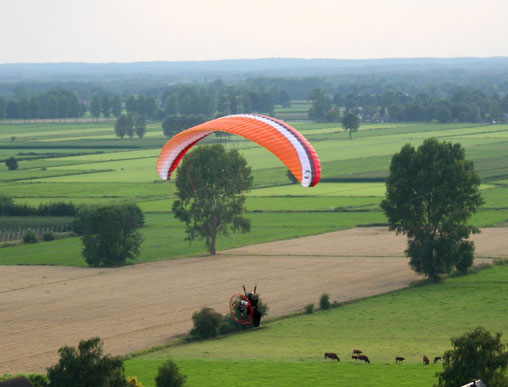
{"type": "Point", "coordinates": [8, 208]}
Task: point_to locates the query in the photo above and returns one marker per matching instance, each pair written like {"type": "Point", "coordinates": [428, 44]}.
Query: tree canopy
{"type": "Point", "coordinates": [11, 163]}
{"type": "Point", "coordinates": [322, 109]}
{"type": "Point", "coordinates": [210, 183]}
{"type": "Point", "coordinates": [140, 125]}
{"type": "Point", "coordinates": [109, 233]}
{"type": "Point", "coordinates": [175, 123]}
{"type": "Point", "coordinates": [95, 106]}
{"type": "Point", "coordinates": [430, 194]}
{"type": "Point", "coordinates": [351, 123]}
{"type": "Point", "coordinates": [475, 355]}
{"type": "Point", "coordinates": [86, 366]}
{"type": "Point", "coordinates": [124, 125]}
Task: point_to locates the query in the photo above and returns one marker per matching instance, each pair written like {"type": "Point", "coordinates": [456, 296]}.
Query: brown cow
{"type": "Point", "coordinates": [354, 357]}
{"type": "Point", "coordinates": [436, 359]}
{"type": "Point", "coordinates": [399, 359]}
{"type": "Point", "coordinates": [332, 356]}
{"type": "Point", "coordinates": [364, 358]}
{"type": "Point", "coordinates": [425, 360]}
{"type": "Point", "coordinates": [356, 352]}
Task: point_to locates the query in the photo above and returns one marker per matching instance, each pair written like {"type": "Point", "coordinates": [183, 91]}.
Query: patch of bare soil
{"type": "Point", "coordinates": [131, 308]}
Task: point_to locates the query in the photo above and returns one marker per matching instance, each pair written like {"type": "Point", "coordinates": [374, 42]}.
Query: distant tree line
{"type": "Point", "coordinates": [56, 103]}
{"type": "Point", "coordinates": [9, 208]}
{"type": "Point", "coordinates": [425, 96]}
{"type": "Point", "coordinates": [462, 105]}
{"type": "Point", "coordinates": [217, 99]}
{"type": "Point", "coordinates": [208, 99]}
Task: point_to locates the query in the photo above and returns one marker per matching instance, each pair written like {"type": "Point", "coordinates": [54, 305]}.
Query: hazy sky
{"type": "Point", "coordinates": [170, 30]}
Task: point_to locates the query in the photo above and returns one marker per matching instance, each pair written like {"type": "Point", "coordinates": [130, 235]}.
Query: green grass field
{"type": "Point", "coordinates": [410, 323]}
{"type": "Point", "coordinates": [86, 164]}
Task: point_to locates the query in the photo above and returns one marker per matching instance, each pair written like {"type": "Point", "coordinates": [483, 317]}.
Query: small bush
{"type": "Point", "coordinates": [48, 236]}
{"type": "Point", "coordinates": [133, 381]}
{"type": "Point", "coordinates": [38, 380]}
{"type": "Point", "coordinates": [229, 325]}
{"type": "Point", "coordinates": [262, 307]}
{"type": "Point", "coordinates": [206, 324]}
{"type": "Point", "coordinates": [29, 237]}
{"type": "Point", "coordinates": [324, 301]}
{"type": "Point", "coordinates": [309, 308]}
{"type": "Point", "coordinates": [169, 375]}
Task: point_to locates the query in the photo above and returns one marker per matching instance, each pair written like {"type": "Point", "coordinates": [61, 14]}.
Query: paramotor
{"type": "Point", "coordinates": [241, 309]}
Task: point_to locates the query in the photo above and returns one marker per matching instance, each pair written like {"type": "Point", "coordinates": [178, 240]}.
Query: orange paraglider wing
{"type": "Point", "coordinates": [284, 141]}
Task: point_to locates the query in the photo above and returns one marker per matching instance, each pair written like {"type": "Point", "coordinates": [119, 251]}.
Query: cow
{"type": "Point", "coordinates": [354, 357]}
{"type": "Point", "coordinates": [364, 358]}
{"type": "Point", "coordinates": [332, 356]}
{"type": "Point", "coordinates": [356, 352]}
{"type": "Point", "coordinates": [436, 359]}
{"type": "Point", "coordinates": [399, 359]}
{"type": "Point", "coordinates": [425, 360]}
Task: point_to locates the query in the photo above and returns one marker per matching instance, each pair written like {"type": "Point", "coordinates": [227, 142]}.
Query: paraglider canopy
{"type": "Point", "coordinates": [284, 141]}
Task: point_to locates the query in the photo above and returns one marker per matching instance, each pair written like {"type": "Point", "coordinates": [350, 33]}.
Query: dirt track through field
{"type": "Point", "coordinates": [132, 308]}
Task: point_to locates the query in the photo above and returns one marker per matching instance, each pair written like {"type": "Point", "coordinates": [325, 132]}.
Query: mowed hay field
{"type": "Point", "coordinates": [136, 307]}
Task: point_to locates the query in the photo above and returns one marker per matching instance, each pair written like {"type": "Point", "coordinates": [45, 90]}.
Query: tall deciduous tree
{"type": "Point", "coordinates": [95, 106]}
{"type": "Point", "coordinates": [129, 124]}
{"type": "Point", "coordinates": [109, 234]}
{"type": "Point", "coordinates": [321, 106]}
{"type": "Point", "coordinates": [11, 163]}
{"type": "Point", "coordinates": [210, 183]}
{"type": "Point", "coordinates": [106, 106]}
{"type": "Point", "coordinates": [475, 355]}
{"type": "Point", "coordinates": [430, 194]}
{"type": "Point", "coordinates": [116, 106]}
{"type": "Point", "coordinates": [140, 125]}
{"type": "Point", "coordinates": [121, 126]}
{"type": "Point", "coordinates": [351, 123]}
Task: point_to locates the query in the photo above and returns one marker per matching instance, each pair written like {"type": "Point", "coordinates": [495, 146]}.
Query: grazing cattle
{"type": "Point", "coordinates": [364, 358]}
{"type": "Point", "coordinates": [425, 360]}
{"type": "Point", "coordinates": [436, 359]}
{"type": "Point", "coordinates": [399, 359]}
{"type": "Point", "coordinates": [354, 357]}
{"type": "Point", "coordinates": [356, 352]}
{"type": "Point", "coordinates": [332, 356]}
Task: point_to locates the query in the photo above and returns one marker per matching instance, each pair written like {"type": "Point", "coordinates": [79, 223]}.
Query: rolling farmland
{"type": "Point", "coordinates": [84, 163]}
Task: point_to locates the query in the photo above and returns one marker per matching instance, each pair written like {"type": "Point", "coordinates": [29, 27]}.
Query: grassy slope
{"type": "Point", "coordinates": [410, 323]}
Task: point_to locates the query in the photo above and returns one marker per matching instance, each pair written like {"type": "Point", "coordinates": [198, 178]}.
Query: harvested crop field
{"type": "Point", "coordinates": [132, 308]}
